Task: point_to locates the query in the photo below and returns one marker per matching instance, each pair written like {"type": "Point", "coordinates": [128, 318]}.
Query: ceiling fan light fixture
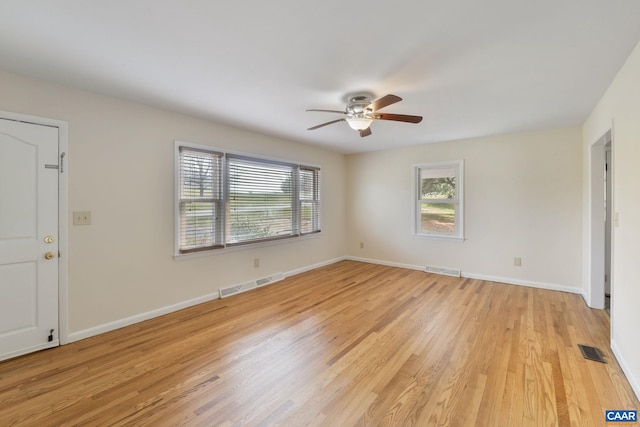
{"type": "Point", "coordinates": [361, 112]}
{"type": "Point", "coordinates": [359, 123]}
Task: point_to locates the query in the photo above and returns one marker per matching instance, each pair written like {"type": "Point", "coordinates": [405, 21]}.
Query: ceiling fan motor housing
{"type": "Point", "coordinates": [357, 106]}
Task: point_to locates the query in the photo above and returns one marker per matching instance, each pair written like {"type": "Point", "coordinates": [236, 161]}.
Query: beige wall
{"type": "Point", "coordinates": [619, 110]}
{"type": "Point", "coordinates": [120, 164]}
{"type": "Point", "coordinates": [522, 199]}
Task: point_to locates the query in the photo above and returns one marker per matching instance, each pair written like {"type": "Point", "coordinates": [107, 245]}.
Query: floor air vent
{"type": "Point", "coordinates": [441, 270]}
{"type": "Point", "coordinates": [270, 279]}
{"type": "Point", "coordinates": [591, 353]}
{"type": "Point", "coordinates": [247, 286]}
{"type": "Point", "coordinates": [232, 290]}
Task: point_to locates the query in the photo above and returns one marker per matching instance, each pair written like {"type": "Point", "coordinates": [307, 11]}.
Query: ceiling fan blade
{"type": "Point", "coordinates": [383, 101]}
{"type": "Point", "coordinates": [327, 123]}
{"type": "Point", "coordinates": [365, 132]}
{"type": "Point", "coordinates": [398, 117]}
{"type": "Point", "coordinates": [328, 111]}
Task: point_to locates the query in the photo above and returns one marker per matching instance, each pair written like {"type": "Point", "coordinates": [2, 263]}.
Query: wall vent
{"type": "Point", "coordinates": [441, 270]}
{"type": "Point", "coordinates": [270, 279]}
{"type": "Point", "coordinates": [232, 290]}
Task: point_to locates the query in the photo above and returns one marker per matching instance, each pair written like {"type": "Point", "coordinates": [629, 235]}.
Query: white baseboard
{"type": "Point", "coordinates": [635, 383]}
{"type": "Point", "coordinates": [528, 283]}
{"type": "Point", "coordinates": [387, 263]}
{"type": "Point", "coordinates": [121, 323]}
{"type": "Point", "coordinates": [313, 266]}
{"type": "Point", "coordinates": [507, 280]}
{"type": "Point", "coordinates": [128, 321]}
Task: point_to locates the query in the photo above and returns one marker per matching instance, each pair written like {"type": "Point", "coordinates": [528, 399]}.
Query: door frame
{"type": "Point", "coordinates": [597, 220]}
{"type": "Point", "coordinates": [608, 223]}
{"type": "Point", "coordinates": [63, 211]}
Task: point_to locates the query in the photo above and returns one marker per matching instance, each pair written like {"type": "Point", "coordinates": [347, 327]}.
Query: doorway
{"type": "Point", "coordinates": [600, 221]}
{"type": "Point", "coordinates": [608, 201]}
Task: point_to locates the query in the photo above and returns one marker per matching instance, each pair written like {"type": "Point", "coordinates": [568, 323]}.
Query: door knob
{"type": "Point", "coordinates": [49, 255]}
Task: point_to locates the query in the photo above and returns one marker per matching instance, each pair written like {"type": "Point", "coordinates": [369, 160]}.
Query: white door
{"type": "Point", "coordinates": [28, 237]}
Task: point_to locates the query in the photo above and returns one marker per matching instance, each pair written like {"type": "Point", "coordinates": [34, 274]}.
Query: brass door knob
{"type": "Point", "coordinates": [49, 255]}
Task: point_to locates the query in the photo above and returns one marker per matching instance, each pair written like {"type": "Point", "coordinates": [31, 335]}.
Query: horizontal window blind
{"type": "Point", "coordinates": [309, 200]}
{"type": "Point", "coordinates": [201, 199]}
{"type": "Point", "coordinates": [261, 198]}
{"type": "Point", "coordinates": [229, 200]}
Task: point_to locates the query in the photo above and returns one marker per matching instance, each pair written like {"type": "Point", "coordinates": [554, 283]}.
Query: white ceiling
{"type": "Point", "coordinates": [471, 68]}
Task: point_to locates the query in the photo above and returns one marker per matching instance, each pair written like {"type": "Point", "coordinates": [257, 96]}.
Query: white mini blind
{"type": "Point", "coordinates": [229, 200]}
{"type": "Point", "coordinates": [261, 195]}
{"type": "Point", "coordinates": [309, 200]}
{"type": "Point", "coordinates": [201, 203]}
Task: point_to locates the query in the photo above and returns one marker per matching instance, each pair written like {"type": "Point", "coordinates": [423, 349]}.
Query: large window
{"type": "Point", "coordinates": [438, 208]}
{"type": "Point", "coordinates": [226, 200]}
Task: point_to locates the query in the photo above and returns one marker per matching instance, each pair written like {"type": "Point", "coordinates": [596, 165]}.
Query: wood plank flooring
{"type": "Point", "coordinates": [347, 344]}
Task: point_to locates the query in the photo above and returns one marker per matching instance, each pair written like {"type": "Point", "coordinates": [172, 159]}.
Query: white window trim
{"type": "Point", "coordinates": [177, 255]}
{"type": "Point", "coordinates": [415, 214]}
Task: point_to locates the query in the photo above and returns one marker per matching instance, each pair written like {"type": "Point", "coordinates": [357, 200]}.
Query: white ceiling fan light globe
{"type": "Point", "coordinates": [359, 123]}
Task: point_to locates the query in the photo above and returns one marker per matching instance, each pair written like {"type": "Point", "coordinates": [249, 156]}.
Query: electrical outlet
{"type": "Point", "coordinates": [361, 245]}
{"type": "Point", "coordinates": [256, 262]}
{"type": "Point", "coordinates": [517, 261]}
{"type": "Point", "coordinates": [81, 218]}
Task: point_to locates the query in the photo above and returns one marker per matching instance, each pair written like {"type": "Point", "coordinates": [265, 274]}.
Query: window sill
{"type": "Point", "coordinates": [249, 246]}
{"type": "Point", "coordinates": [437, 237]}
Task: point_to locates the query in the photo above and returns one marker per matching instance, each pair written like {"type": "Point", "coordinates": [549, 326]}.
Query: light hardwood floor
{"type": "Point", "coordinates": [347, 344]}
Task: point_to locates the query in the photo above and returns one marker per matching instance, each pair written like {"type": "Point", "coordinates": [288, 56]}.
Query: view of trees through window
{"type": "Point", "coordinates": [200, 199]}
{"type": "Point", "coordinates": [227, 200]}
{"type": "Point", "coordinates": [438, 200]}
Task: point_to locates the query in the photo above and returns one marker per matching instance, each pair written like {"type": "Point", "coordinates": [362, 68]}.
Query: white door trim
{"type": "Point", "coordinates": [596, 262]}
{"type": "Point", "coordinates": [63, 210]}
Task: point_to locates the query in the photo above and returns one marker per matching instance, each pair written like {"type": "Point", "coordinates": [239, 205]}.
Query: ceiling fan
{"type": "Point", "coordinates": [361, 111]}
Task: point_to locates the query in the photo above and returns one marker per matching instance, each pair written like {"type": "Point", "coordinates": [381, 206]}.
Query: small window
{"type": "Point", "coordinates": [438, 199]}
{"type": "Point", "coordinates": [229, 200]}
